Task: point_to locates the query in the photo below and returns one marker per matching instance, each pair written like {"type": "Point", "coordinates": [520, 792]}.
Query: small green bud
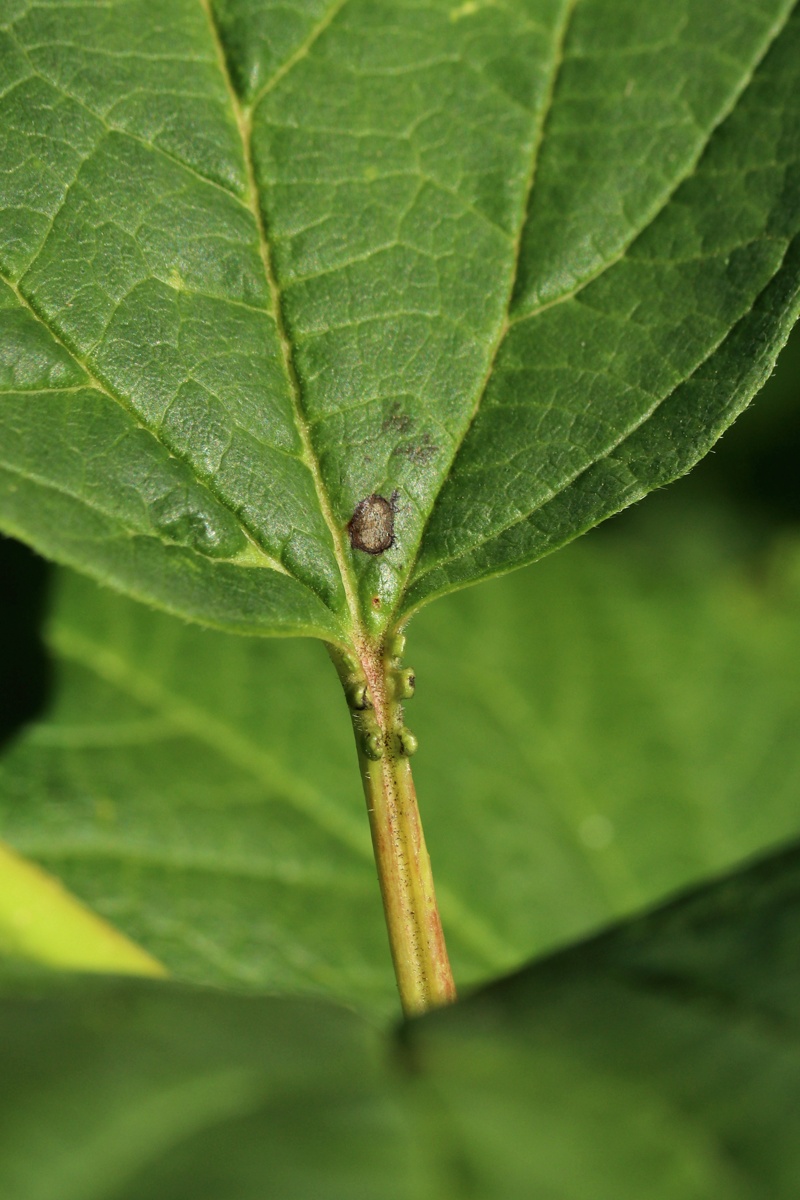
{"type": "Point", "coordinates": [358, 695]}
{"type": "Point", "coordinates": [396, 645]}
{"type": "Point", "coordinates": [372, 745]}
{"type": "Point", "coordinates": [405, 683]}
{"type": "Point", "coordinates": [407, 742]}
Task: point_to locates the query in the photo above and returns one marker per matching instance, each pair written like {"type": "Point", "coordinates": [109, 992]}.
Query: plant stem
{"type": "Point", "coordinates": [375, 687]}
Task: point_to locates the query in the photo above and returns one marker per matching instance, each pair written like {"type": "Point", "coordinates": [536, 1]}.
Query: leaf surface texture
{"type": "Point", "coordinates": [518, 265]}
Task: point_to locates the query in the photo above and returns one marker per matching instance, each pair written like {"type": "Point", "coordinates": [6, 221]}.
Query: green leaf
{"type": "Point", "coordinates": [108, 1087]}
{"type": "Point", "coordinates": [520, 265]}
{"type": "Point", "coordinates": [661, 1060]}
{"type": "Point", "coordinates": [590, 738]}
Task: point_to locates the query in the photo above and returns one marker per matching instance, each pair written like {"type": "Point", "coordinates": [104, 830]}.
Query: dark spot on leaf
{"type": "Point", "coordinates": [376, 601]}
{"type": "Point", "coordinates": [371, 526]}
{"type": "Point", "coordinates": [397, 421]}
{"type": "Point", "coordinates": [419, 453]}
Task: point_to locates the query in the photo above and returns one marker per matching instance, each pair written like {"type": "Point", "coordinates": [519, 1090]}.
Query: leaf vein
{"type": "Point", "coordinates": [538, 140]}
{"type": "Point", "coordinates": [97, 383]}
{"type": "Point", "coordinates": [103, 120]}
{"type": "Point", "coordinates": [553, 493]}
{"type": "Point", "coordinates": [244, 123]}
{"type": "Point", "coordinates": [328, 17]}
{"type": "Point", "coordinates": [212, 863]}
{"type": "Point", "coordinates": [664, 200]}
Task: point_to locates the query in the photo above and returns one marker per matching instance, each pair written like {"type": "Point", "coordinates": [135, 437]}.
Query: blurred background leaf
{"type": "Point", "coordinates": [106, 1081]}
{"type": "Point", "coordinates": [660, 1061]}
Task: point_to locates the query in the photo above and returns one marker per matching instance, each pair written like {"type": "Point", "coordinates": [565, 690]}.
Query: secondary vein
{"type": "Point", "coordinates": [558, 58]}
{"type": "Point", "coordinates": [94, 381]}
{"type": "Point", "coordinates": [624, 436]}
{"type": "Point", "coordinates": [664, 199]}
{"type": "Point", "coordinates": [301, 52]}
{"type": "Point", "coordinates": [774, 30]}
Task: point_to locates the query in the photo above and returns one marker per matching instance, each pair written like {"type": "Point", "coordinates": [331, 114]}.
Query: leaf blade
{"type": "Point", "coordinates": [684, 1020]}
{"type": "Point", "coordinates": [332, 336]}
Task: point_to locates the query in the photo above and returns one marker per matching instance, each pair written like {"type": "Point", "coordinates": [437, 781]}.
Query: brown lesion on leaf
{"type": "Point", "coordinates": [420, 452]}
{"type": "Point", "coordinates": [371, 527]}
{"type": "Point", "coordinates": [396, 421]}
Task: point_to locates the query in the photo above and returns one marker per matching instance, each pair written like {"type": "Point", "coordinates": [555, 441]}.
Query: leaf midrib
{"type": "Point", "coordinates": [243, 118]}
